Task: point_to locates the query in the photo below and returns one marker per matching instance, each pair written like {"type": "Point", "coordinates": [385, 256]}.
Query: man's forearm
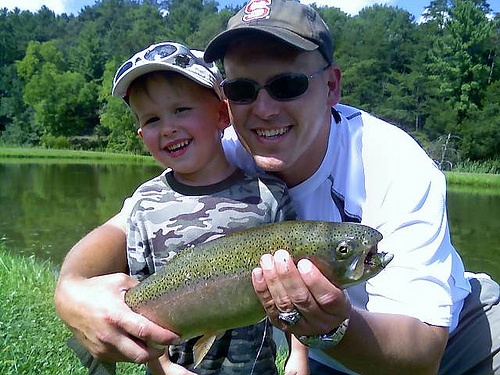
{"type": "Point", "coordinates": [384, 343]}
{"type": "Point", "coordinates": [100, 252]}
{"type": "Point", "coordinates": [89, 299]}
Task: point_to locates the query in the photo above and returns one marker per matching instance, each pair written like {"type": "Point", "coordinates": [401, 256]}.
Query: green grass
{"type": "Point", "coordinates": [9, 154]}
{"type": "Point", "coordinates": [474, 180]}
{"type": "Point", "coordinates": [33, 337]}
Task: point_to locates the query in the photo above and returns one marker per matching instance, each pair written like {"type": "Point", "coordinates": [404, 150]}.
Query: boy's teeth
{"type": "Point", "coordinates": [178, 145]}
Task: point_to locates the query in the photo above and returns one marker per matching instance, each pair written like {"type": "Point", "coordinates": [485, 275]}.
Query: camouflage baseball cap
{"type": "Point", "coordinates": [296, 24]}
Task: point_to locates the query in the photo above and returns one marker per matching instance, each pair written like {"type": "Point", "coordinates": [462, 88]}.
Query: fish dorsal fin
{"type": "Point", "coordinates": [203, 345]}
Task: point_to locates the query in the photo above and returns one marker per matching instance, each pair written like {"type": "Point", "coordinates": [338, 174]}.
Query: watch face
{"type": "Point", "coordinates": [328, 340]}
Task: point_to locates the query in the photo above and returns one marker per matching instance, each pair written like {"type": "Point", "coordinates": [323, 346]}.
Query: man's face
{"type": "Point", "coordinates": [286, 137]}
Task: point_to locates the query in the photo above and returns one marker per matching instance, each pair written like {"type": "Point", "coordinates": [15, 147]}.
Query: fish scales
{"type": "Point", "coordinates": [207, 288]}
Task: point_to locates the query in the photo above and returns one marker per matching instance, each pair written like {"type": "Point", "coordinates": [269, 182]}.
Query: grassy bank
{"type": "Point", "coordinates": [458, 179]}
{"type": "Point", "coordinates": [41, 154]}
{"type": "Point", "coordinates": [473, 180]}
{"type": "Point", "coordinates": [34, 337]}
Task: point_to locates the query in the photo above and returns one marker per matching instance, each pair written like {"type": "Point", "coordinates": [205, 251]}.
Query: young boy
{"type": "Point", "coordinates": [177, 101]}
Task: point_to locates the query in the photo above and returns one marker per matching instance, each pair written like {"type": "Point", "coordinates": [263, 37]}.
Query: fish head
{"type": "Point", "coordinates": [352, 255]}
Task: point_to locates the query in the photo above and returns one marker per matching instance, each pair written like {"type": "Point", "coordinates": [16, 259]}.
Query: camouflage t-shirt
{"type": "Point", "coordinates": [166, 216]}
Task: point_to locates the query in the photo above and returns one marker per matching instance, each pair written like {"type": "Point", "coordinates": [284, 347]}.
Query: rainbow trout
{"type": "Point", "coordinates": [207, 289]}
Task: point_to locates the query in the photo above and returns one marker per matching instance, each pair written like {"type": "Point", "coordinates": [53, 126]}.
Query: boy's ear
{"type": "Point", "coordinates": [223, 115]}
{"type": "Point", "coordinates": [139, 133]}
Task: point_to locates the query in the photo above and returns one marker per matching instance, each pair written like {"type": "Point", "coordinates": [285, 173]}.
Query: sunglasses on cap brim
{"type": "Point", "coordinates": [172, 53]}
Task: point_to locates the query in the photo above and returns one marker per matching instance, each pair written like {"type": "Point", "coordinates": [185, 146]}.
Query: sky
{"type": "Point", "coordinates": [415, 7]}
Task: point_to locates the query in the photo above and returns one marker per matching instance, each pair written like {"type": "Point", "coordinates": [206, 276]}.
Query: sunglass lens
{"type": "Point", "coordinates": [288, 87]}
{"type": "Point", "coordinates": [240, 91]}
{"type": "Point", "coordinates": [161, 51]}
{"type": "Point", "coordinates": [123, 69]}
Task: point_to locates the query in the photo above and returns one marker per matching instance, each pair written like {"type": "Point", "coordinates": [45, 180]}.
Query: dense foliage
{"type": "Point", "coordinates": [438, 78]}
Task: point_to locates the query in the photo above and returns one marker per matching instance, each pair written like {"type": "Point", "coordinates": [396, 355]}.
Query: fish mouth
{"type": "Point", "coordinates": [375, 259]}
{"type": "Point", "coordinates": [369, 262]}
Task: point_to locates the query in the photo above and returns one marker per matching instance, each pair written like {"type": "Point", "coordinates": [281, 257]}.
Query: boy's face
{"type": "Point", "coordinates": [180, 124]}
{"type": "Point", "coordinates": [285, 137]}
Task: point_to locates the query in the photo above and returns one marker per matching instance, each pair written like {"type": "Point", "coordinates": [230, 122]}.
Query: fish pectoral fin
{"type": "Point", "coordinates": [202, 346]}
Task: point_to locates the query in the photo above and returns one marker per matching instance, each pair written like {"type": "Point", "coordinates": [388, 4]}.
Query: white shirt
{"type": "Point", "coordinates": [384, 178]}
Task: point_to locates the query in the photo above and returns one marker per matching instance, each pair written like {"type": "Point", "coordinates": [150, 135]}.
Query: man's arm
{"type": "Point", "coordinates": [373, 344]}
{"type": "Point", "coordinates": [89, 298]}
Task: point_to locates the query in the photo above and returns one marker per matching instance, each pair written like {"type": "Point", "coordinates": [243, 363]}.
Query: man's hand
{"type": "Point", "coordinates": [95, 311]}
{"type": "Point", "coordinates": [282, 286]}
{"type": "Point", "coordinates": [373, 343]}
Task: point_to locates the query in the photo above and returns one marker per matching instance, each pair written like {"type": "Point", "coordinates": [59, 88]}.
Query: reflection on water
{"type": "Point", "coordinates": [45, 208]}
{"type": "Point", "coordinates": [475, 229]}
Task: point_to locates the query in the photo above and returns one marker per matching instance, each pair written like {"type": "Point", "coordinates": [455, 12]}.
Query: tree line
{"type": "Point", "coordinates": [437, 78]}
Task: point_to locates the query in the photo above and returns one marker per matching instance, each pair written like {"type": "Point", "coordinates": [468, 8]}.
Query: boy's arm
{"type": "Point", "coordinates": [89, 298]}
{"type": "Point", "coordinates": [163, 366]}
{"type": "Point", "coordinates": [298, 357]}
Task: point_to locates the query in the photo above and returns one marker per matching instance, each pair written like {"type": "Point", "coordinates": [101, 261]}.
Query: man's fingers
{"type": "Point", "coordinates": [282, 286]}
{"type": "Point", "coordinates": [145, 330]}
{"type": "Point", "coordinates": [138, 351]}
{"type": "Point", "coordinates": [119, 346]}
{"type": "Point", "coordinates": [295, 291]}
{"type": "Point", "coordinates": [264, 295]}
{"type": "Point", "coordinates": [331, 299]}
{"type": "Point", "coordinates": [109, 329]}
{"type": "Point", "coordinates": [279, 287]}
{"type": "Point", "coordinates": [333, 304]}
{"type": "Point", "coordinates": [272, 269]}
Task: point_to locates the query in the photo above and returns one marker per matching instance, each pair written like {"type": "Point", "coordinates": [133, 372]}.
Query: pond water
{"type": "Point", "coordinates": [46, 207]}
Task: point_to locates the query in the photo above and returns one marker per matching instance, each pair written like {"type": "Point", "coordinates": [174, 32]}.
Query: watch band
{"type": "Point", "coordinates": [328, 340]}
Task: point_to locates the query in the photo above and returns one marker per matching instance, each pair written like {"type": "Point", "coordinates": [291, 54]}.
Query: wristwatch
{"type": "Point", "coordinates": [328, 340]}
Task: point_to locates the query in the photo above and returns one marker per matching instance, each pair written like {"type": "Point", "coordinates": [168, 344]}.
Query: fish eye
{"type": "Point", "coordinates": [343, 248]}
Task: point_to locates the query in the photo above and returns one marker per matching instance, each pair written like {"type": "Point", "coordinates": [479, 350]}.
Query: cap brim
{"type": "Point", "coordinates": [121, 87]}
{"type": "Point", "coordinates": [216, 48]}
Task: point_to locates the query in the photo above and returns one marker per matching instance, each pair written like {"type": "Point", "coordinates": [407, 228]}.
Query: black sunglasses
{"type": "Point", "coordinates": [283, 87]}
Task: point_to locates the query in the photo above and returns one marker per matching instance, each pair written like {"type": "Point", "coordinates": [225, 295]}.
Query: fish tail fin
{"type": "Point", "coordinates": [95, 366]}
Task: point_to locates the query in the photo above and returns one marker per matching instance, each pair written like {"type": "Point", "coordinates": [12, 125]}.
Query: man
{"type": "Point", "coordinates": [340, 165]}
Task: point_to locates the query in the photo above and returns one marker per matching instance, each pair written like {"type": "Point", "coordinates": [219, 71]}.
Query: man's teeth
{"type": "Point", "coordinates": [178, 145]}
{"type": "Point", "coordinates": [271, 132]}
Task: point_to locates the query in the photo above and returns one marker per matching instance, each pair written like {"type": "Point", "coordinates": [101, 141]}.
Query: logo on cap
{"type": "Point", "coordinates": [256, 10]}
